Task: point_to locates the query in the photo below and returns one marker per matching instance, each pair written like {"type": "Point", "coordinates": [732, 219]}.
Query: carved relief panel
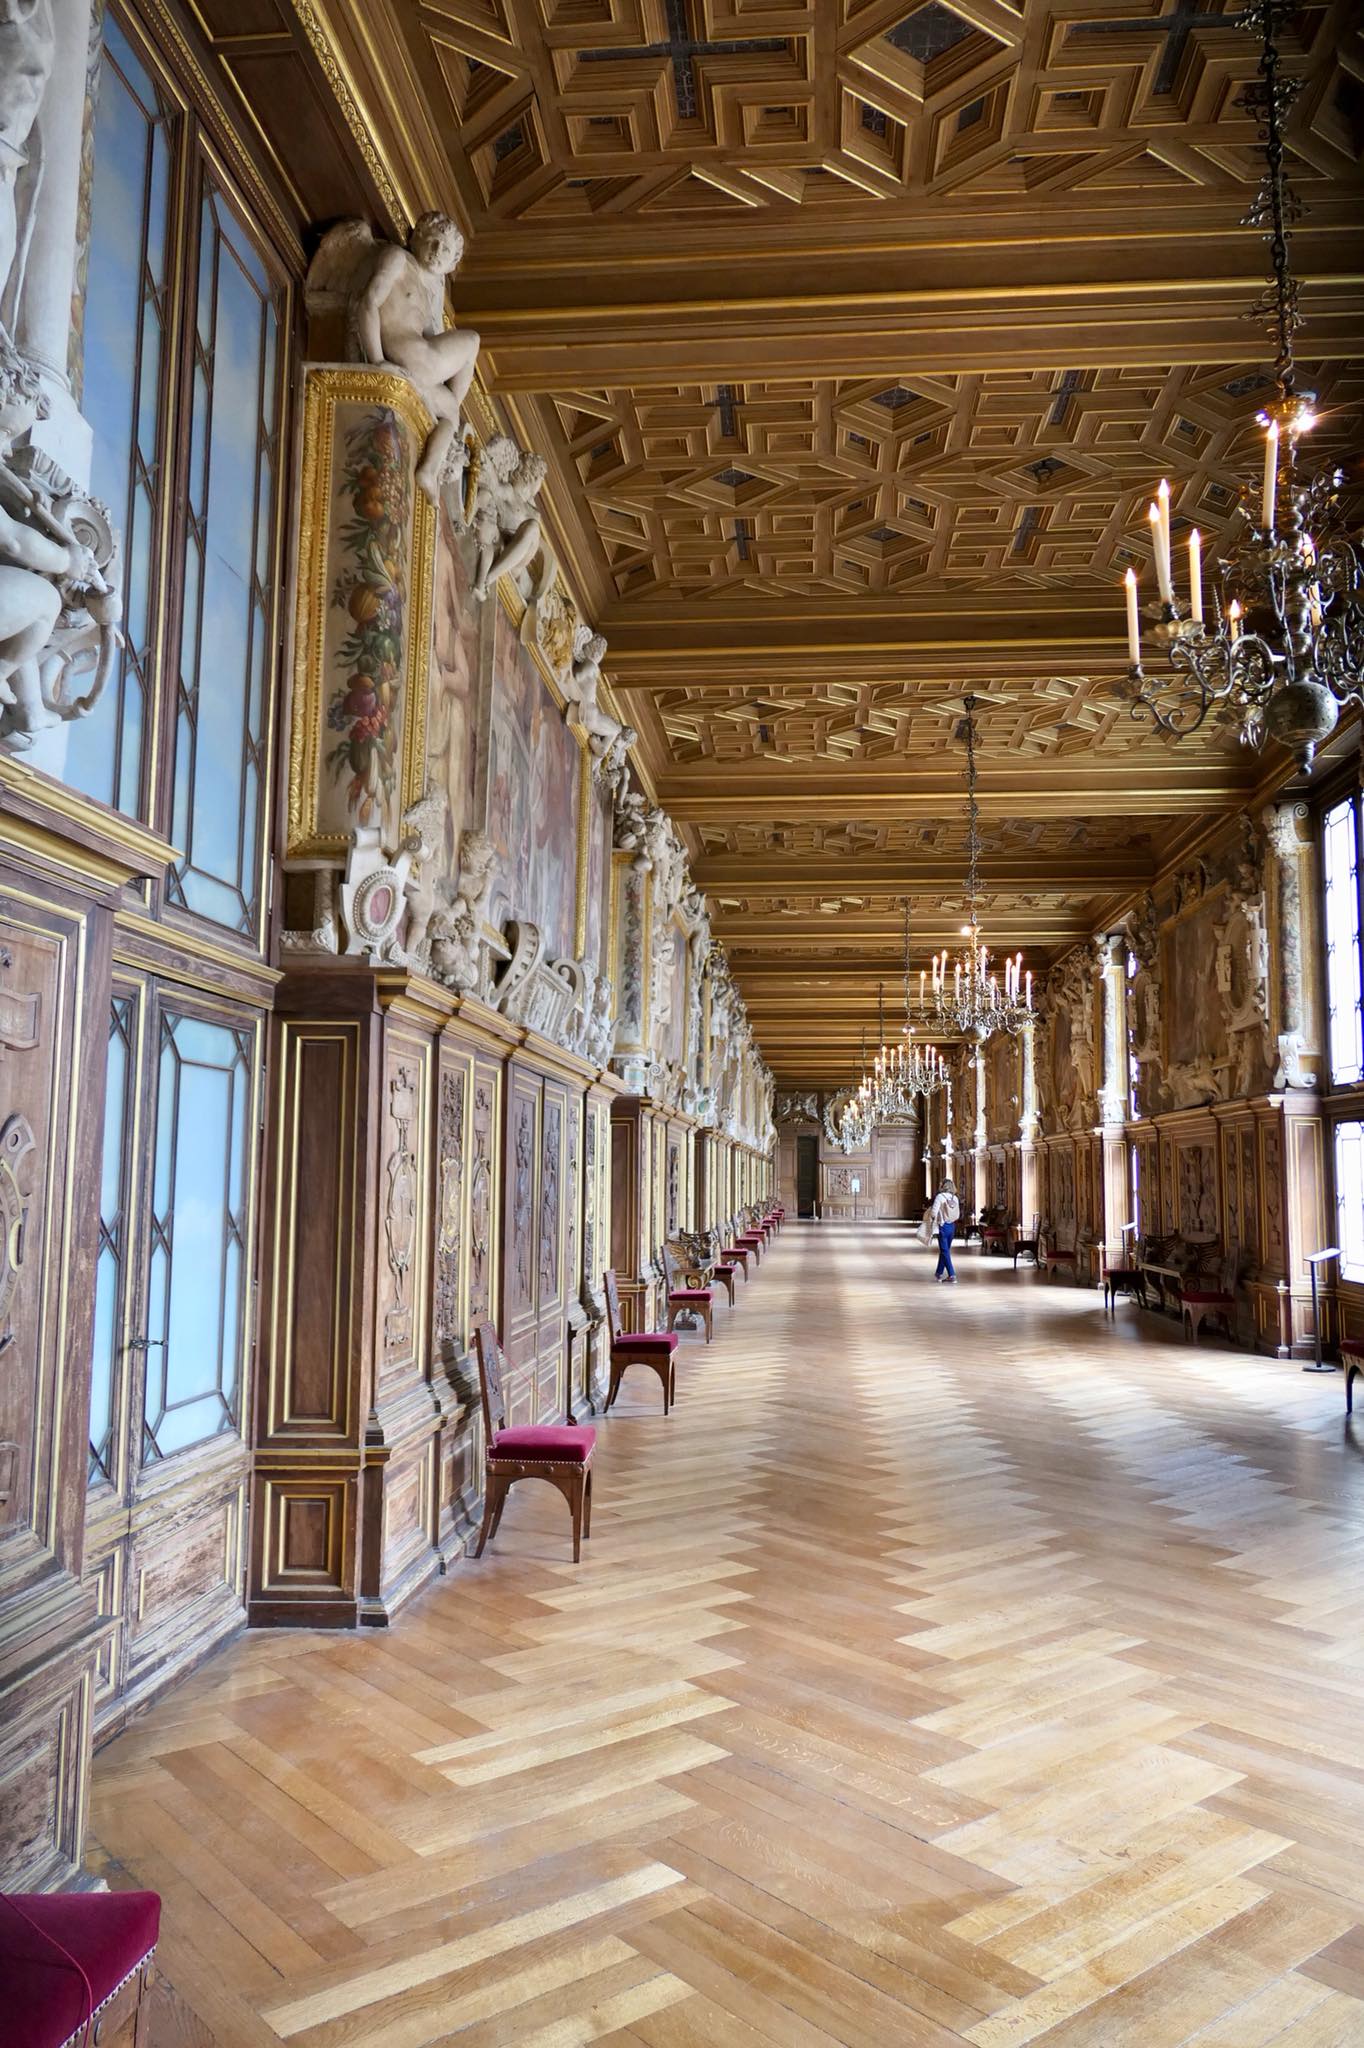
{"type": "Point", "coordinates": [451, 1231]}
{"type": "Point", "coordinates": [403, 1233]}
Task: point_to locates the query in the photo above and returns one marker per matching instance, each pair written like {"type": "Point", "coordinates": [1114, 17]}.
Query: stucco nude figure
{"type": "Point", "coordinates": [395, 309]}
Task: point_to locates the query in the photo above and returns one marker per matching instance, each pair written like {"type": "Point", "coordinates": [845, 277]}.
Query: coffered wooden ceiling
{"type": "Point", "coordinates": [856, 336]}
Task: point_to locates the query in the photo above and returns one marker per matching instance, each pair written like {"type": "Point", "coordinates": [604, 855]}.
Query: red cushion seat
{"type": "Point", "coordinates": [648, 1340]}
{"type": "Point", "coordinates": [569, 1442]}
{"type": "Point", "coordinates": [726, 1265]}
{"type": "Point", "coordinates": [46, 2002]}
{"type": "Point", "coordinates": [1204, 1294]}
{"type": "Point", "coordinates": [690, 1294]}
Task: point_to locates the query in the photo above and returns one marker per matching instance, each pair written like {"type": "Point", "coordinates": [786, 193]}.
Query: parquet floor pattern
{"type": "Point", "coordinates": [951, 1666]}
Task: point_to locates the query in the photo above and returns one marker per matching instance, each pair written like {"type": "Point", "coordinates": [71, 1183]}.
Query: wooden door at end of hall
{"type": "Point", "coordinates": [807, 1173]}
{"type": "Point", "coordinates": [897, 1174]}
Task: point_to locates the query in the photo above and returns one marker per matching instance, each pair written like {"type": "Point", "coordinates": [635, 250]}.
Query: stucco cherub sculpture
{"type": "Point", "coordinates": [609, 742]}
{"type": "Point", "coordinates": [395, 314]}
{"type": "Point", "coordinates": [505, 522]}
{"type": "Point", "coordinates": [59, 611]}
{"type": "Point", "coordinates": [455, 930]}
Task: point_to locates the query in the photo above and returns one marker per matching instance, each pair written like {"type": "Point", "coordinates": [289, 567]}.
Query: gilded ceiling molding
{"type": "Point", "coordinates": [238, 160]}
{"type": "Point", "coordinates": [321, 38]}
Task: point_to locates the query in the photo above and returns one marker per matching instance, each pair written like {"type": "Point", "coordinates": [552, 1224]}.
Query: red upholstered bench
{"type": "Point", "coordinates": [67, 1958]}
{"type": "Point", "coordinates": [685, 1298]}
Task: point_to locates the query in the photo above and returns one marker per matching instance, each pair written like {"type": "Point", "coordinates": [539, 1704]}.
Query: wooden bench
{"type": "Point", "coordinates": [1352, 1358]}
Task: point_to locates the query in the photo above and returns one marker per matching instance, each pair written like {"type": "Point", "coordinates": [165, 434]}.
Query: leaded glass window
{"type": "Point", "coordinates": [1344, 957]}
{"type": "Point", "coordinates": [111, 1258]}
{"type": "Point", "coordinates": [127, 316]}
{"type": "Point", "coordinates": [1349, 1143]}
{"type": "Point", "coordinates": [229, 558]}
{"type": "Point", "coordinates": [197, 1271]}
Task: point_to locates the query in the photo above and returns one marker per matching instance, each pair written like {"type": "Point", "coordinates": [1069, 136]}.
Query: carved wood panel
{"type": "Point", "coordinates": [403, 1232]}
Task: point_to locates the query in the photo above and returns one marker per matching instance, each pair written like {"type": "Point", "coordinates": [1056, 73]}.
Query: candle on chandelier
{"type": "Point", "coordinates": [1309, 548]}
{"type": "Point", "coordinates": [1158, 552]}
{"type": "Point", "coordinates": [957, 980]}
{"type": "Point", "coordinates": [921, 988]}
{"type": "Point", "coordinates": [1028, 988]}
{"type": "Point", "coordinates": [1271, 475]}
{"type": "Point", "coordinates": [1196, 576]}
{"type": "Point", "coordinates": [1133, 620]}
{"type": "Point", "coordinates": [1234, 620]}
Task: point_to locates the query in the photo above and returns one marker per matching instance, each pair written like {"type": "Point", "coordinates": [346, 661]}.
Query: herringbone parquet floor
{"type": "Point", "coordinates": [950, 1667]}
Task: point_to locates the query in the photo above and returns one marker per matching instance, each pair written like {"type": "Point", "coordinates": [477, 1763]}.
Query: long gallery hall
{"type": "Point", "coordinates": [681, 1023]}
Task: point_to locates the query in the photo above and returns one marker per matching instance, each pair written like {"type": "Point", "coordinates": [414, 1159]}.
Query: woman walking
{"type": "Point", "coordinates": [942, 1220]}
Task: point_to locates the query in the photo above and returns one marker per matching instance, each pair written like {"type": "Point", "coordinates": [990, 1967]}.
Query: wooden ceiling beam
{"type": "Point", "coordinates": [853, 874]}
{"type": "Point", "coordinates": [1033, 788]}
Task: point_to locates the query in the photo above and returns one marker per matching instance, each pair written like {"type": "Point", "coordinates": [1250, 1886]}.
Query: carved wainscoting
{"type": "Point", "coordinates": [633, 1212]}
{"type": "Point", "coordinates": [57, 897]}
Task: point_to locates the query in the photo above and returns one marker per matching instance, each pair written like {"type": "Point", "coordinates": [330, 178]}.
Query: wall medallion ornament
{"type": "Point", "coordinates": [400, 1206]}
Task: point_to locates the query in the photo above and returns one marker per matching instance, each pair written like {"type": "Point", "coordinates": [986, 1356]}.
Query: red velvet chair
{"type": "Point", "coordinates": [1060, 1258]}
{"type": "Point", "coordinates": [684, 1299]}
{"type": "Point", "coordinates": [734, 1253]}
{"type": "Point", "coordinates": [754, 1240]}
{"type": "Point", "coordinates": [558, 1452]}
{"type": "Point", "coordinates": [68, 1959]}
{"type": "Point", "coordinates": [1210, 1291]}
{"type": "Point", "coordinates": [654, 1348]}
{"type": "Point", "coordinates": [726, 1272]}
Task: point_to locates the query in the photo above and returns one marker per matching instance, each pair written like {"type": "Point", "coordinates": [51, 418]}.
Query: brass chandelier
{"type": "Point", "coordinates": [969, 999]}
{"type": "Point", "coordinates": [1282, 650]}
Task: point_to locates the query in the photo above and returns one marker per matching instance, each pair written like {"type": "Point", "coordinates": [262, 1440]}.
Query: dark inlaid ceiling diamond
{"type": "Point", "coordinates": [732, 478]}
{"type": "Point", "coordinates": [1047, 467]}
{"type": "Point", "coordinates": [894, 397]}
{"type": "Point", "coordinates": [928, 32]}
{"type": "Point", "coordinates": [873, 120]}
{"type": "Point", "coordinates": [1241, 387]}
{"type": "Point", "coordinates": [510, 140]}
{"type": "Point", "coordinates": [884, 533]}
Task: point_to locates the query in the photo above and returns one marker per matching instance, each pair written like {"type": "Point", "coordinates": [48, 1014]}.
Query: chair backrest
{"type": "Point", "coordinates": [490, 1380]}
{"type": "Point", "coordinates": [612, 1293]}
{"type": "Point", "coordinates": [672, 1271]}
{"type": "Point", "coordinates": [1035, 1235]}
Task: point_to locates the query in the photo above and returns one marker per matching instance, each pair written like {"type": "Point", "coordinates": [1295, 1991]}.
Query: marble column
{"type": "Point", "coordinates": [1113, 1091]}
{"type": "Point", "coordinates": [1296, 1011]}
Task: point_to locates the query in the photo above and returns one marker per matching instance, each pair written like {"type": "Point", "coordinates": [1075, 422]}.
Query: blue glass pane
{"type": "Point", "coordinates": [225, 648]}
{"type": "Point", "coordinates": [198, 1235]}
{"type": "Point", "coordinates": [123, 362]}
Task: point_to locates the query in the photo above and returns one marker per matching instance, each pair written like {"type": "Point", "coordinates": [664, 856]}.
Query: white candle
{"type": "Point", "coordinates": [921, 988]}
{"type": "Point", "coordinates": [1028, 987]}
{"type": "Point", "coordinates": [1196, 576]}
{"type": "Point", "coordinates": [1271, 474]}
{"type": "Point", "coordinates": [1158, 556]}
{"type": "Point", "coordinates": [1163, 505]}
{"type": "Point", "coordinates": [1234, 620]}
{"type": "Point", "coordinates": [1133, 619]}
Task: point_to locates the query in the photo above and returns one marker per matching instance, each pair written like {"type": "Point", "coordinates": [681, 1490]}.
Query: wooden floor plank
{"type": "Point", "coordinates": [950, 1666]}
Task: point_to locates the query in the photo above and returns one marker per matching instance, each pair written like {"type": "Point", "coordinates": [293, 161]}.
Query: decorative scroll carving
{"type": "Point", "coordinates": [549, 1202]}
{"type": "Point", "coordinates": [16, 1142]}
{"type": "Point", "coordinates": [523, 1164]}
{"type": "Point", "coordinates": [400, 1205]}
{"type": "Point", "coordinates": [481, 1204]}
{"type": "Point", "coordinates": [790, 1108]}
{"type": "Point", "coordinates": [449, 1208]}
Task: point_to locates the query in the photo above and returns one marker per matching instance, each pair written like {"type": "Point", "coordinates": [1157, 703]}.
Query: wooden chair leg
{"type": "Point", "coordinates": [617, 1374]}
{"type": "Point", "coordinates": [587, 1504]}
{"type": "Point", "coordinates": [708, 1311]}
{"type": "Point", "coordinates": [494, 1494]}
{"type": "Point", "coordinates": [579, 1494]}
{"type": "Point", "coordinates": [673, 1313]}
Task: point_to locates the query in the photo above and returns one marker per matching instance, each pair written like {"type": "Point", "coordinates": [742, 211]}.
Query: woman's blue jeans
{"type": "Point", "coordinates": [945, 1252]}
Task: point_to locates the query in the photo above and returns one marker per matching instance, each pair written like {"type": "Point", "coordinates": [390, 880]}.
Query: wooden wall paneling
{"type": "Point", "coordinates": [311, 1398]}
{"type": "Point", "coordinates": [519, 1322]}
{"type": "Point", "coordinates": [54, 991]}
{"type": "Point", "coordinates": [631, 1141]}
{"type": "Point", "coordinates": [401, 1477]}
{"type": "Point", "coordinates": [557, 1184]}
{"type": "Point", "coordinates": [461, 1464]}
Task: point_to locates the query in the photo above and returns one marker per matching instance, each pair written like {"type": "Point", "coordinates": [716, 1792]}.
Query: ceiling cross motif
{"type": "Point", "coordinates": [681, 47]}
{"type": "Point", "coordinates": [1177, 27]}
